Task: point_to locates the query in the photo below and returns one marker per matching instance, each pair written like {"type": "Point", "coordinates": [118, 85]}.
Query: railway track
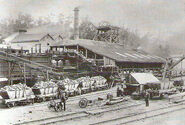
{"type": "Point", "coordinates": [74, 98]}
{"type": "Point", "coordinates": [54, 119]}
{"type": "Point", "coordinates": [134, 117]}
{"type": "Point", "coordinates": [89, 112]}
{"type": "Point", "coordinates": [75, 115]}
{"type": "Point", "coordinates": [129, 118]}
{"type": "Point", "coordinates": [99, 93]}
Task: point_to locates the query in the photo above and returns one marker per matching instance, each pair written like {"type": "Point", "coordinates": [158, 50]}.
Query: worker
{"type": "Point", "coordinates": [94, 85]}
{"type": "Point", "coordinates": [62, 96]}
{"type": "Point", "coordinates": [122, 90]}
{"type": "Point", "coordinates": [147, 99]}
{"type": "Point", "coordinates": [118, 91]}
{"type": "Point", "coordinates": [79, 87]}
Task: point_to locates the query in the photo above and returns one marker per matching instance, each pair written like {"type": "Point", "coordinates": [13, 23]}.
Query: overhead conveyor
{"type": "Point", "coordinates": [22, 62]}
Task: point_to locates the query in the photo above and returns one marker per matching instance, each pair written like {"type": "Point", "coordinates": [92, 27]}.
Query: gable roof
{"type": "Point", "coordinates": [28, 37]}
{"type": "Point", "coordinates": [46, 29]}
{"type": "Point", "coordinates": [55, 36]}
{"type": "Point", "coordinates": [114, 51]}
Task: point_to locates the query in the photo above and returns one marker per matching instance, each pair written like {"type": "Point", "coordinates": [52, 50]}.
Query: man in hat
{"type": "Point", "coordinates": [62, 95]}
{"type": "Point", "coordinates": [79, 87]}
{"type": "Point", "coordinates": [147, 98]}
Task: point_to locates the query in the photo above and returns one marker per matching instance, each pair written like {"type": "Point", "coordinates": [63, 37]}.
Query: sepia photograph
{"type": "Point", "coordinates": [92, 62]}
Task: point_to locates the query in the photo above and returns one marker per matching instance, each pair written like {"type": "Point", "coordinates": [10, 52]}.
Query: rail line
{"type": "Point", "coordinates": [142, 115]}
{"type": "Point", "coordinates": [73, 116]}
{"type": "Point", "coordinates": [71, 99]}
{"type": "Point", "coordinates": [54, 119]}
{"type": "Point", "coordinates": [87, 112]}
{"type": "Point", "coordinates": [91, 94]}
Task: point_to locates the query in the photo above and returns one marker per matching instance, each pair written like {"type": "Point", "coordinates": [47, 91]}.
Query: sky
{"type": "Point", "coordinates": [159, 18]}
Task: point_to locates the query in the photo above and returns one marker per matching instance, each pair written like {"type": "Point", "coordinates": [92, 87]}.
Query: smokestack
{"type": "Point", "coordinates": [76, 23]}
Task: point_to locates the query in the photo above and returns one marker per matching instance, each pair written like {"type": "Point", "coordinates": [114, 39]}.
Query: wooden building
{"type": "Point", "coordinates": [106, 57]}
{"type": "Point", "coordinates": [35, 43]}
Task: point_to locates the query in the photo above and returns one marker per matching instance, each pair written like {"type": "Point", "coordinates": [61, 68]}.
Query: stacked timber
{"type": "Point", "coordinates": [16, 91]}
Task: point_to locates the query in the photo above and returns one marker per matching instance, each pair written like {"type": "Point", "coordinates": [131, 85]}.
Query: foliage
{"type": "Point", "coordinates": [87, 30]}
{"type": "Point", "coordinates": [129, 39]}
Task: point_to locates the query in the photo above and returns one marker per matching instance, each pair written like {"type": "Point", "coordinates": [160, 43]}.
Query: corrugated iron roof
{"type": "Point", "coordinates": [144, 78]}
{"type": "Point", "coordinates": [25, 45]}
{"type": "Point", "coordinates": [28, 37]}
{"type": "Point", "coordinates": [114, 51]}
{"type": "Point", "coordinates": [11, 37]}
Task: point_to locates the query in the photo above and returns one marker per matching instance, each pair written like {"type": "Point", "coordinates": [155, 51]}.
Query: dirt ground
{"type": "Point", "coordinates": [174, 118]}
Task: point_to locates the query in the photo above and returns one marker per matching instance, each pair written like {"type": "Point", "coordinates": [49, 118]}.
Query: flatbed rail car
{"type": "Point", "coordinates": [18, 101]}
{"type": "Point", "coordinates": [44, 91]}
{"type": "Point", "coordinates": [43, 94]}
{"type": "Point", "coordinates": [84, 85]}
{"type": "Point", "coordinates": [17, 97]}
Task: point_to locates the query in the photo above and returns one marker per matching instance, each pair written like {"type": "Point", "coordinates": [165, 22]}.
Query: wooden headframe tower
{"type": "Point", "coordinates": [107, 33]}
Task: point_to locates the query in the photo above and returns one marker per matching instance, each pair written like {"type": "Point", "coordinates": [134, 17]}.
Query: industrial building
{"type": "Point", "coordinates": [105, 56]}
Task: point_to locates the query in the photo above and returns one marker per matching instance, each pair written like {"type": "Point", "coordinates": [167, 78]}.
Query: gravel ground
{"type": "Point", "coordinates": [174, 118]}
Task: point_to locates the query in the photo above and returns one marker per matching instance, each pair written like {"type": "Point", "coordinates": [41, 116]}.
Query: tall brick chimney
{"type": "Point", "coordinates": [76, 23]}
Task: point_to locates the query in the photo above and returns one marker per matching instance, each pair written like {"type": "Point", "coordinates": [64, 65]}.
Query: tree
{"type": "Point", "coordinates": [129, 39]}
{"type": "Point", "coordinates": [23, 21]}
{"type": "Point", "coordinates": [87, 30]}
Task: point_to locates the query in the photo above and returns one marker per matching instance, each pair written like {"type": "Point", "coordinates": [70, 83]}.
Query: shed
{"type": "Point", "coordinates": [143, 79]}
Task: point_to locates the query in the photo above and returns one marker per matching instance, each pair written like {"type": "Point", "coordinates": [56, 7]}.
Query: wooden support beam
{"type": "Point", "coordinates": [86, 53]}
{"type": "Point", "coordinates": [77, 48]}
{"type": "Point", "coordinates": [77, 64]}
{"type": "Point", "coordinates": [47, 76]}
{"type": "Point", "coordinates": [31, 50]}
{"type": "Point", "coordinates": [24, 73]}
{"type": "Point", "coordinates": [39, 48]}
{"type": "Point", "coordinates": [35, 48]}
{"type": "Point", "coordinates": [9, 73]}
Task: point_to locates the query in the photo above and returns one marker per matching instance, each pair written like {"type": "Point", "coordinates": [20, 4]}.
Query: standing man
{"type": "Point", "coordinates": [62, 95]}
{"type": "Point", "coordinates": [118, 91]}
{"type": "Point", "coordinates": [79, 87]}
{"type": "Point", "coordinates": [147, 99]}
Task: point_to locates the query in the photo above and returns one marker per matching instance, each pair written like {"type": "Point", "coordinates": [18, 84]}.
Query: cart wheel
{"type": "Point", "coordinates": [32, 101]}
{"type": "Point", "coordinates": [9, 105]}
{"type": "Point", "coordinates": [58, 107]}
{"type": "Point", "coordinates": [49, 106]}
{"type": "Point", "coordinates": [44, 99]}
{"type": "Point", "coordinates": [90, 89]}
{"type": "Point", "coordinates": [161, 96]}
{"type": "Point", "coordinates": [83, 103]}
